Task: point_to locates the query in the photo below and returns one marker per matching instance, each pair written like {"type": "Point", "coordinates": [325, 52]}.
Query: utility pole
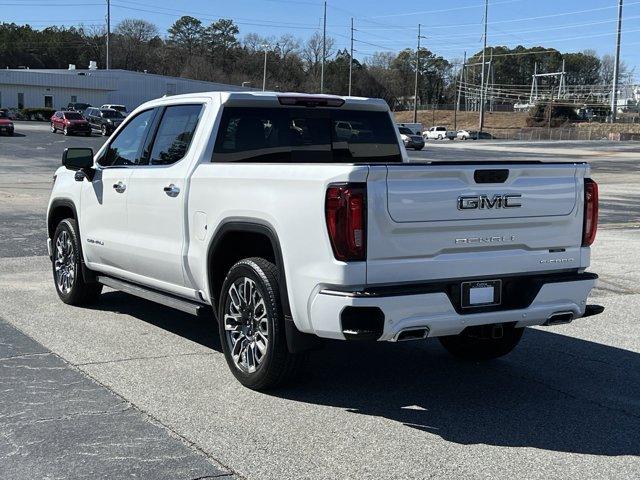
{"type": "Point", "coordinates": [351, 59]}
{"type": "Point", "coordinates": [415, 91]}
{"type": "Point", "coordinates": [264, 73]}
{"type": "Point", "coordinates": [455, 113]}
{"type": "Point", "coordinates": [108, 62]}
{"type": "Point", "coordinates": [324, 47]}
{"type": "Point", "coordinates": [616, 67]}
{"type": "Point", "coordinates": [484, 48]}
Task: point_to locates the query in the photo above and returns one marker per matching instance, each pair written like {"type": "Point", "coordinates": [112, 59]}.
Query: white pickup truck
{"type": "Point", "coordinates": [257, 210]}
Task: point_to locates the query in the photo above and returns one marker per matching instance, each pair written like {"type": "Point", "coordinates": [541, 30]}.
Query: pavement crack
{"type": "Point", "coordinates": [151, 357]}
{"type": "Point", "coordinates": [69, 416]}
{"type": "Point", "coordinates": [221, 475]}
{"type": "Point", "coordinates": [25, 355]}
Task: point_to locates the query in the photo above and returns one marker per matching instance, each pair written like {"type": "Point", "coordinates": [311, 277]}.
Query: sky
{"type": "Point", "coordinates": [450, 28]}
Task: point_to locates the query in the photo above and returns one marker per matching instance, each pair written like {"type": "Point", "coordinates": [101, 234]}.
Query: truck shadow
{"type": "Point", "coordinates": [199, 330]}
{"type": "Point", "coordinates": [553, 392]}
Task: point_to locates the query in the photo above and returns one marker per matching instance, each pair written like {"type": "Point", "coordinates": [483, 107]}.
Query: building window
{"type": "Point", "coordinates": [48, 101]}
{"type": "Point", "coordinates": [74, 98]}
{"type": "Point", "coordinates": [20, 100]}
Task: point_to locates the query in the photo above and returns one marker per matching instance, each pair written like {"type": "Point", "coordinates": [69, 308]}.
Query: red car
{"type": "Point", "coordinates": [69, 122]}
{"type": "Point", "coordinates": [6, 125]}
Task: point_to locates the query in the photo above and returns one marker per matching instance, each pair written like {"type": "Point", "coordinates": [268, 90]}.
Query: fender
{"type": "Point", "coordinates": [296, 340]}
{"type": "Point", "coordinates": [87, 274]}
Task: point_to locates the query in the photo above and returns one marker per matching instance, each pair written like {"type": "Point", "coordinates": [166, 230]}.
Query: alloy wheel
{"type": "Point", "coordinates": [65, 262]}
{"type": "Point", "coordinates": [246, 325]}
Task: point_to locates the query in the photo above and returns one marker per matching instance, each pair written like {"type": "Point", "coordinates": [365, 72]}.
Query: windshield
{"type": "Point", "coordinates": [73, 116]}
{"type": "Point", "coordinates": [305, 135]}
{"type": "Point", "coordinates": [3, 114]}
{"type": "Point", "coordinates": [111, 114]}
{"type": "Point", "coordinates": [405, 131]}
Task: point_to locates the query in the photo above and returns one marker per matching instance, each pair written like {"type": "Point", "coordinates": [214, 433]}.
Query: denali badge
{"type": "Point", "coordinates": [479, 202]}
{"type": "Point", "coordinates": [484, 240]}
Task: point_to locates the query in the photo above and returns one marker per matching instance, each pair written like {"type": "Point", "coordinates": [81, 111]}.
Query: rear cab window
{"type": "Point", "coordinates": [305, 135]}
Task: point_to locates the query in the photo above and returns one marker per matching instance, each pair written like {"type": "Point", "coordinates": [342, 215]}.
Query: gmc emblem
{"type": "Point", "coordinates": [481, 202]}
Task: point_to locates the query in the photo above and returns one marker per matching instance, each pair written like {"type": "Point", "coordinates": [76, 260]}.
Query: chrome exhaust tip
{"type": "Point", "coordinates": [559, 318]}
{"type": "Point", "coordinates": [411, 333]}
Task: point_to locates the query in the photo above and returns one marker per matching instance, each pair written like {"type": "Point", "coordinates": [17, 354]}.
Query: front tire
{"type": "Point", "coordinates": [251, 325]}
{"type": "Point", "coordinates": [53, 128]}
{"type": "Point", "coordinates": [65, 131]}
{"type": "Point", "coordinates": [471, 347]}
{"type": "Point", "coordinates": [103, 130]}
{"type": "Point", "coordinates": [67, 266]}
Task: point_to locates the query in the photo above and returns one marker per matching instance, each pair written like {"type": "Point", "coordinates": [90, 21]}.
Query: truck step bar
{"type": "Point", "coordinates": [188, 306]}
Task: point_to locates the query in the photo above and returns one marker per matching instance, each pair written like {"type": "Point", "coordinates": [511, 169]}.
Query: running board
{"type": "Point", "coordinates": [188, 306]}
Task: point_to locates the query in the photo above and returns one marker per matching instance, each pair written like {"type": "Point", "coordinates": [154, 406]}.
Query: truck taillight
{"type": "Point", "coordinates": [346, 214]}
{"type": "Point", "coordinates": [590, 212]}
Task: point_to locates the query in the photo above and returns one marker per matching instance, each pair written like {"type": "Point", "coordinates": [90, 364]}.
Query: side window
{"type": "Point", "coordinates": [125, 149]}
{"type": "Point", "coordinates": [174, 134]}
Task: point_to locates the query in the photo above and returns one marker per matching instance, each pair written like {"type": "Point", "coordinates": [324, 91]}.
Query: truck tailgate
{"type": "Point", "coordinates": [469, 220]}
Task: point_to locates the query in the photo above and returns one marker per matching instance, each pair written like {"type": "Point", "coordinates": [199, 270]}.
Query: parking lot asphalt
{"type": "Point", "coordinates": [564, 404]}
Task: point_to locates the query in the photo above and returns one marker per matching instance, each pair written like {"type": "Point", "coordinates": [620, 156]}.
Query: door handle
{"type": "Point", "coordinates": [171, 190]}
{"type": "Point", "coordinates": [119, 187]}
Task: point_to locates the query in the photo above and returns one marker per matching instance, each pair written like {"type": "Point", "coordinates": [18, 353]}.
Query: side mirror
{"type": "Point", "coordinates": [78, 158]}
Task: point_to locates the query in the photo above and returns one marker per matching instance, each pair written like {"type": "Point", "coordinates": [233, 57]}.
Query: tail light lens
{"type": "Point", "coordinates": [345, 211]}
{"type": "Point", "coordinates": [590, 212]}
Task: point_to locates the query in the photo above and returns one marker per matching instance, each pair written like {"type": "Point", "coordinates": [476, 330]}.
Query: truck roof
{"type": "Point", "coordinates": [273, 99]}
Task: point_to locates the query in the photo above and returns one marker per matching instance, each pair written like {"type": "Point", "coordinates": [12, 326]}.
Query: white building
{"type": "Point", "coordinates": [20, 88]}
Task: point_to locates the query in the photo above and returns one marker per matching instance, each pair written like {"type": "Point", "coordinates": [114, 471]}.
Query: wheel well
{"type": "Point", "coordinates": [232, 247]}
{"type": "Point", "coordinates": [58, 214]}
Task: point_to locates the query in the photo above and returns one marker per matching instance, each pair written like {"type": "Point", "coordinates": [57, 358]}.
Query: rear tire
{"type": "Point", "coordinates": [103, 130]}
{"type": "Point", "coordinates": [468, 347]}
{"type": "Point", "coordinates": [65, 131]}
{"type": "Point", "coordinates": [53, 128]}
{"type": "Point", "coordinates": [68, 278]}
{"type": "Point", "coordinates": [251, 326]}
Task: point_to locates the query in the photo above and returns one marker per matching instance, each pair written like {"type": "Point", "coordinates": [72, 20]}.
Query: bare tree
{"type": "Point", "coordinates": [132, 37]}
{"type": "Point", "coordinates": [312, 50]}
{"type": "Point", "coordinates": [289, 45]}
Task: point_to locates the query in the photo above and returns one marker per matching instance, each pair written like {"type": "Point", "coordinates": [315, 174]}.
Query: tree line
{"type": "Point", "coordinates": [215, 52]}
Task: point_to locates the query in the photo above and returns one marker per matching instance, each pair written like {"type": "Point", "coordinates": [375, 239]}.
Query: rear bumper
{"type": "Point", "coordinates": [434, 306]}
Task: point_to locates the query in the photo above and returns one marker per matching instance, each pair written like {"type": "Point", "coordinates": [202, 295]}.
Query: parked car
{"type": "Point", "coordinates": [410, 139]}
{"type": "Point", "coordinates": [69, 123]}
{"type": "Point", "coordinates": [436, 133]}
{"type": "Point", "coordinates": [287, 236]}
{"type": "Point", "coordinates": [6, 124]}
{"type": "Point", "coordinates": [77, 107]}
{"type": "Point", "coordinates": [121, 108]}
{"type": "Point", "coordinates": [452, 134]}
{"type": "Point", "coordinates": [105, 120]}
{"type": "Point", "coordinates": [473, 135]}
{"type": "Point", "coordinates": [416, 128]}
{"type": "Point", "coordinates": [463, 135]}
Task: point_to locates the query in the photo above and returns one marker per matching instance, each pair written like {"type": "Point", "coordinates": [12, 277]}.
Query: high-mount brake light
{"type": "Point", "coordinates": [590, 226]}
{"type": "Point", "coordinates": [346, 215]}
{"type": "Point", "coordinates": [309, 101]}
